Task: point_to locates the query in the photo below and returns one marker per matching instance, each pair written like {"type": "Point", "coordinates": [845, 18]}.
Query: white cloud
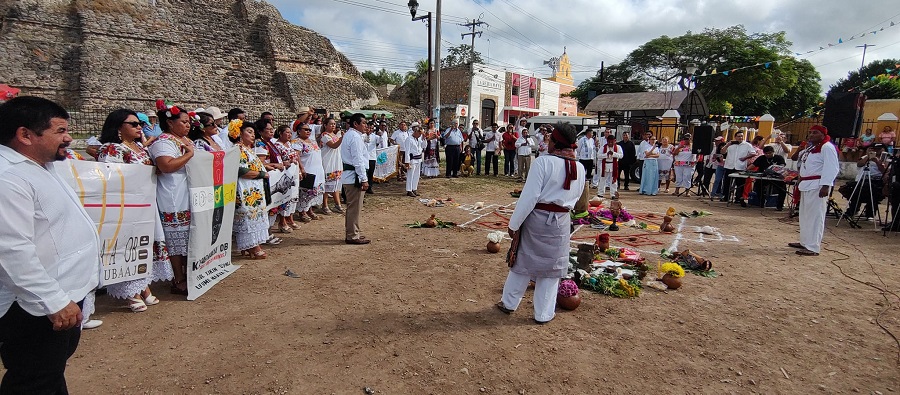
{"type": "Point", "coordinates": [379, 33]}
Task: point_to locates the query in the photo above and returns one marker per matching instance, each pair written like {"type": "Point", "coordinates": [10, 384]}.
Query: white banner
{"type": "Point", "coordinates": [212, 178]}
{"type": "Point", "coordinates": [121, 199]}
{"type": "Point", "coordinates": [283, 186]}
{"type": "Point", "coordinates": [386, 163]}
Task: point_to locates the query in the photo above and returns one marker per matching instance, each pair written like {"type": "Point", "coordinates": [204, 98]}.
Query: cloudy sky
{"type": "Point", "coordinates": [521, 34]}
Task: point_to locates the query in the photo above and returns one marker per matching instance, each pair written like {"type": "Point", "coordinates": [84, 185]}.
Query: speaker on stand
{"type": "Point", "coordinates": [843, 114]}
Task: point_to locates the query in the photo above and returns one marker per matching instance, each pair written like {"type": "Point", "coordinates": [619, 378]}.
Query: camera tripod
{"type": "Point", "coordinates": [849, 216]}
{"type": "Point", "coordinates": [696, 182]}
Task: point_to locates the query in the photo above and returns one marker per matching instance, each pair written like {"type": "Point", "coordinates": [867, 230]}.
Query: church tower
{"type": "Point", "coordinates": [562, 69]}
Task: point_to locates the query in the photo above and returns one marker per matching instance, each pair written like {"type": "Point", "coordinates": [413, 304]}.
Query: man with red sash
{"type": "Point", "coordinates": [818, 169]}
{"type": "Point", "coordinates": [540, 226]}
{"type": "Point", "coordinates": [608, 157]}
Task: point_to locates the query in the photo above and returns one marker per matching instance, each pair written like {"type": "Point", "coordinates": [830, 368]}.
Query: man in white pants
{"type": "Point", "coordinates": [413, 147]}
{"type": "Point", "coordinates": [818, 169]}
{"type": "Point", "coordinates": [608, 159]}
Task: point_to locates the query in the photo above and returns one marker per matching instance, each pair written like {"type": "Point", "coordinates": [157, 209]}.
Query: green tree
{"type": "Point", "coordinates": [421, 70]}
{"type": "Point", "coordinates": [799, 97]}
{"type": "Point", "coordinates": [382, 77]}
{"type": "Point", "coordinates": [660, 63]}
{"type": "Point", "coordinates": [460, 55]}
{"type": "Point", "coordinates": [615, 79]}
{"type": "Point", "coordinates": [874, 79]}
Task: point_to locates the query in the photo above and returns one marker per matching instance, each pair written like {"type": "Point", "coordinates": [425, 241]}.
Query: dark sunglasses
{"type": "Point", "coordinates": [135, 124]}
{"type": "Point", "coordinates": [306, 129]}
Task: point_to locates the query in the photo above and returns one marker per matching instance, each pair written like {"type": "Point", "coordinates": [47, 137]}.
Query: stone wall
{"type": "Point", "coordinates": [95, 55]}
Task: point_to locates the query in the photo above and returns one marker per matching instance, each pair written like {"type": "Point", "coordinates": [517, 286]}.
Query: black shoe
{"type": "Point", "coordinates": [358, 241]}
{"type": "Point", "coordinates": [779, 209]}
{"type": "Point", "coordinates": [416, 192]}
{"type": "Point", "coordinates": [410, 194]}
{"type": "Point", "coordinates": [370, 192]}
{"type": "Point", "coordinates": [743, 203]}
{"type": "Point", "coordinates": [626, 188]}
{"type": "Point", "coordinates": [722, 200]}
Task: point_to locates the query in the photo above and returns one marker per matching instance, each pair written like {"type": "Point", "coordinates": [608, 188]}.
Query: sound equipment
{"type": "Point", "coordinates": [843, 114]}
{"type": "Point", "coordinates": [703, 139]}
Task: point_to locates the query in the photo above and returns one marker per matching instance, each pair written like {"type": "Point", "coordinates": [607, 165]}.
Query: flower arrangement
{"type": "Point", "coordinates": [608, 285]}
{"type": "Point", "coordinates": [171, 109]}
{"type": "Point", "coordinates": [234, 128]}
{"type": "Point", "coordinates": [567, 288]}
{"type": "Point", "coordinates": [496, 236]}
{"type": "Point", "coordinates": [195, 118]}
{"type": "Point", "coordinates": [624, 216]}
{"type": "Point", "coordinates": [673, 269]}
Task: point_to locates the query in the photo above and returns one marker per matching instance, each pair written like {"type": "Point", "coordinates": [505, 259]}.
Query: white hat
{"type": "Point", "coordinates": [414, 125]}
{"type": "Point", "coordinates": [199, 110]}
{"type": "Point", "coordinates": [215, 112]}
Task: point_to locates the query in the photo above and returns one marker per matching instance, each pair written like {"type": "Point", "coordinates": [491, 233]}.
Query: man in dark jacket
{"type": "Point", "coordinates": [629, 158]}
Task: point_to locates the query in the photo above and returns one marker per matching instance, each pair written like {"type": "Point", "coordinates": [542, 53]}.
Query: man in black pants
{"type": "Point", "coordinates": [49, 248]}
{"type": "Point", "coordinates": [628, 159]}
{"type": "Point", "coordinates": [453, 138]}
{"type": "Point", "coordinates": [492, 142]}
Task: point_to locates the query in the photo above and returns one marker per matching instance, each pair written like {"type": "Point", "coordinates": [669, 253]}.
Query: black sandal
{"type": "Point", "coordinates": [178, 291]}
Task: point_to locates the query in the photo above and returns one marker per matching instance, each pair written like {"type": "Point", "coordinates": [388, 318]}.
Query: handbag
{"type": "Point", "coordinates": [308, 181]}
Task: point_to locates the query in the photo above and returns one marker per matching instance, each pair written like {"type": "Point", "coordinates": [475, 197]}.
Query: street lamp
{"type": "Point", "coordinates": [413, 7]}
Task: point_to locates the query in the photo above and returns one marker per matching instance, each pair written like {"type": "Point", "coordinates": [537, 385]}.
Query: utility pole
{"type": "Point", "coordinates": [475, 23]}
{"type": "Point", "coordinates": [864, 47]}
{"type": "Point", "coordinates": [436, 112]}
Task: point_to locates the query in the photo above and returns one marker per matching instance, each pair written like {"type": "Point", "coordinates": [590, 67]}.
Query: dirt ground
{"type": "Point", "coordinates": [413, 313]}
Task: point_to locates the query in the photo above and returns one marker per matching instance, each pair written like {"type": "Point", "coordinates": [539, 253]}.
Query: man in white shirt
{"type": "Point", "coordinates": [870, 169]}
{"type": "Point", "coordinates": [373, 142]}
{"type": "Point", "coordinates": [413, 148]}
{"type": "Point", "coordinates": [586, 151]}
{"type": "Point", "coordinates": [492, 147]}
{"type": "Point", "coordinates": [397, 138]}
{"type": "Point", "coordinates": [523, 154]}
{"type": "Point", "coordinates": [540, 227]}
{"type": "Point", "coordinates": [476, 141]}
{"type": "Point", "coordinates": [49, 249]}
{"type": "Point", "coordinates": [608, 162]}
{"type": "Point", "coordinates": [736, 152]}
{"type": "Point", "coordinates": [355, 155]}
{"type": "Point", "coordinates": [453, 142]}
{"type": "Point", "coordinates": [818, 169]}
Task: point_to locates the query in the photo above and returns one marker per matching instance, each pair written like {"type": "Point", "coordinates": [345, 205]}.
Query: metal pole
{"type": "Point", "coordinates": [864, 47]}
{"type": "Point", "coordinates": [428, 64]}
{"type": "Point", "coordinates": [437, 70]}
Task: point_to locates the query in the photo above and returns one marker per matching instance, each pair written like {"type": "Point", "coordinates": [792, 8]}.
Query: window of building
{"type": "Point", "coordinates": [515, 91]}
{"type": "Point", "coordinates": [531, 92]}
{"type": "Point", "coordinates": [552, 113]}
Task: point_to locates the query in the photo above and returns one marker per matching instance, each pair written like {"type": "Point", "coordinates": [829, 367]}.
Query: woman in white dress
{"type": "Point", "coordinates": [283, 144]}
{"type": "Point", "coordinates": [665, 160]}
{"type": "Point", "coordinates": [121, 136]}
{"type": "Point", "coordinates": [431, 165]}
{"type": "Point", "coordinates": [685, 161]}
{"type": "Point", "coordinates": [332, 165]}
{"type": "Point", "coordinates": [310, 166]}
{"type": "Point", "coordinates": [171, 151]}
{"type": "Point", "coordinates": [251, 222]}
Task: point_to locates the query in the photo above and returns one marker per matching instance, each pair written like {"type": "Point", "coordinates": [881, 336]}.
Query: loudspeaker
{"type": "Point", "coordinates": [843, 114]}
{"type": "Point", "coordinates": [703, 139]}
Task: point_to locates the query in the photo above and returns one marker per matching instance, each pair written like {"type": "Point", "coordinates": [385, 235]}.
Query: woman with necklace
{"type": "Point", "coordinates": [332, 164]}
{"type": "Point", "coordinates": [171, 152]}
{"type": "Point", "coordinates": [251, 222]}
{"type": "Point", "coordinates": [665, 160]}
{"type": "Point", "coordinates": [206, 134]}
{"type": "Point", "coordinates": [283, 136]}
{"type": "Point", "coordinates": [310, 166]}
{"type": "Point", "coordinates": [121, 136]}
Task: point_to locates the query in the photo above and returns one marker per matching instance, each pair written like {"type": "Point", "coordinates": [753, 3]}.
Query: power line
{"type": "Point", "coordinates": [560, 31]}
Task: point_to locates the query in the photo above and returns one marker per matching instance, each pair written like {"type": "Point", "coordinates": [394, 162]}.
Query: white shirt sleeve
{"type": "Point", "coordinates": [830, 167]}
{"type": "Point", "coordinates": [528, 199]}
{"type": "Point", "coordinates": [20, 268]}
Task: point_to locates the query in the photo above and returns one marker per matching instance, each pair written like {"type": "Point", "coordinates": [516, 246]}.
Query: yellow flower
{"type": "Point", "coordinates": [628, 288]}
{"type": "Point", "coordinates": [673, 269]}
{"type": "Point", "coordinates": [234, 128]}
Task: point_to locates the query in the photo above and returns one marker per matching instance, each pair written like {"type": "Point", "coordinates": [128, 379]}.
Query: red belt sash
{"type": "Point", "coordinates": [807, 178]}
{"type": "Point", "coordinates": [551, 207]}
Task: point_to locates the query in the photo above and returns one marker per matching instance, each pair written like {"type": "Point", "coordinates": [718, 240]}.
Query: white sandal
{"type": "Point", "coordinates": [151, 300]}
{"type": "Point", "coordinates": [136, 305]}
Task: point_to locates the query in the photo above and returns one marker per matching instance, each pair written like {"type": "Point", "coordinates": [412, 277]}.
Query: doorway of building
{"type": "Point", "coordinates": [488, 113]}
